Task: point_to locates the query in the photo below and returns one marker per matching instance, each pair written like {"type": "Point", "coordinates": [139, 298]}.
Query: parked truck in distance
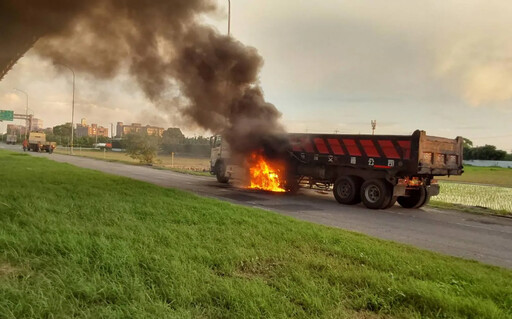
{"type": "Point", "coordinates": [37, 143]}
{"type": "Point", "coordinates": [12, 139]}
{"type": "Point", "coordinates": [377, 170]}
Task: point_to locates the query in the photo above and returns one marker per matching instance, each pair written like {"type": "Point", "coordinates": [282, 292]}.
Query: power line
{"type": "Point", "coordinates": [491, 136]}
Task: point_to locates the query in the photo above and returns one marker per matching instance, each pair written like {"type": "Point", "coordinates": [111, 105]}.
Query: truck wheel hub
{"type": "Point", "coordinates": [344, 190]}
{"type": "Point", "coordinates": [372, 193]}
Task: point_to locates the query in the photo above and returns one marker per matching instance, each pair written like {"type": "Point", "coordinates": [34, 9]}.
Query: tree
{"type": "Point", "coordinates": [171, 137]}
{"type": "Point", "coordinates": [142, 147]}
{"type": "Point", "coordinates": [197, 140]}
{"type": "Point", "coordinates": [486, 152]}
{"type": "Point", "coordinates": [62, 130]}
{"type": "Point", "coordinates": [467, 146]}
{"type": "Point", "coordinates": [467, 142]}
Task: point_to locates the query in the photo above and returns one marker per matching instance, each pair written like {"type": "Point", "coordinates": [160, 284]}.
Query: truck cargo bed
{"type": "Point", "coordinates": [416, 154]}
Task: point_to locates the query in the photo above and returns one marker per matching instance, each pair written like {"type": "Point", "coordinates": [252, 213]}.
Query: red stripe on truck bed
{"type": "Point", "coordinates": [295, 145]}
{"type": "Point", "coordinates": [320, 145]}
{"type": "Point", "coordinates": [306, 144]}
{"type": "Point", "coordinates": [335, 146]}
{"type": "Point", "coordinates": [369, 148]}
{"type": "Point", "coordinates": [406, 148]}
{"type": "Point", "coordinates": [388, 149]}
{"type": "Point", "coordinates": [352, 147]}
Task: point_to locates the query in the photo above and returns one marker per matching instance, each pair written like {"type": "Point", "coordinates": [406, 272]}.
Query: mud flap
{"type": "Point", "coordinates": [433, 190]}
{"type": "Point", "coordinates": [399, 190]}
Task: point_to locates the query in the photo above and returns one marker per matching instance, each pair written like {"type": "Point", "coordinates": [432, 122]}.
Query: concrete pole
{"type": "Point", "coordinates": [229, 18]}
{"type": "Point", "coordinates": [72, 107]}
{"type": "Point", "coordinates": [26, 111]}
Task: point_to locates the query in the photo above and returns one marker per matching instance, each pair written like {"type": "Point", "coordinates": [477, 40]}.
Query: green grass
{"type": "Point", "coordinates": [477, 198]}
{"type": "Point", "coordinates": [483, 175]}
{"type": "Point", "coordinates": [182, 164]}
{"type": "Point", "coordinates": [468, 209]}
{"type": "Point", "coordinates": [80, 243]}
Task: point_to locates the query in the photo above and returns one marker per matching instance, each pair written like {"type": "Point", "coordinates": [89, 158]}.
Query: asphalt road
{"type": "Point", "coordinates": [484, 238]}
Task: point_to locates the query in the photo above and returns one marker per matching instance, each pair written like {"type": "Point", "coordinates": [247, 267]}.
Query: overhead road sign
{"type": "Point", "coordinates": [6, 115]}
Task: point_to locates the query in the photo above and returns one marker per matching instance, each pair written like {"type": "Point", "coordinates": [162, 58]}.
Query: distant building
{"type": "Point", "coordinates": [82, 130]}
{"type": "Point", "coordinates": [15, 129]}
{"type": "Point", "coordinates": [122, 130]}
{"type": "Point", "coordinates": [37, 124]}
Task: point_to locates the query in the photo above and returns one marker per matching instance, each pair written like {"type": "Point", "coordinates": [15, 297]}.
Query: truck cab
{"type": "Point", "coordinates": [219, 159]}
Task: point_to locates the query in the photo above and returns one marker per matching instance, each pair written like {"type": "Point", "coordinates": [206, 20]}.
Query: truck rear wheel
{"type": "Point", "coordinates": [220, 173]}
{"type": "Point", "coordinates": [416, 199]}
{"type": "Point", "coordinates": [346, 190]}
{"type": "Point", "coordinates": [376, 194]}
{"type": "Point", "coordinates": [392, 202]}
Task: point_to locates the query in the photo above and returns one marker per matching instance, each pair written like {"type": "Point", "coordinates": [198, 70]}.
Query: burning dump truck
{"type": "Point", "coordinates": [378, 170]}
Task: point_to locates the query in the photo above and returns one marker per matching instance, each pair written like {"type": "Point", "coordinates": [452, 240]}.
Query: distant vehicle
{"type": "Point", "coordinates": [12, 139]}
{"type": "Point", "coordinates": [102, 146]}
{"type": "Point", "coordinates": [378, 170]}
{"type": "Point", "coordinates": [37, 143]}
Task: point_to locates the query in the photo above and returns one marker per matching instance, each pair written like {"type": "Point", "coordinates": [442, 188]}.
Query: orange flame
{"type": "Point", "coordinates": [264, 174]}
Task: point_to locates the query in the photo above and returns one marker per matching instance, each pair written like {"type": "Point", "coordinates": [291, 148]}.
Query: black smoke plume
{"type": "Point", "coordinates": [164, 45]}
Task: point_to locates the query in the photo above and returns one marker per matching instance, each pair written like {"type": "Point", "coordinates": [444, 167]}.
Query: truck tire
{"type": "Point", "coordinates": [376, 194]}
{"type": "Point", "coordinates": [220, 173]}
{"type": "Point", "coordinates": [346, 190]}
{"type": "Point", "coordinates": [392, 202]}
{"type": "Point", "coordinates": [427, 198]}
{"type": "Point", "coordinates": [292, 186]}
{"type": "Point", "coordinates": [416, 199]}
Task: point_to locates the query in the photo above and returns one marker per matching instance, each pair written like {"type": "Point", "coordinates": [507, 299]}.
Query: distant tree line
{"type": "Point", "coordinates": [61, 134]}
{"type": "Point", "coordinates": [486, 152]}
{"type": "Point", "coordinates": [145, 147]}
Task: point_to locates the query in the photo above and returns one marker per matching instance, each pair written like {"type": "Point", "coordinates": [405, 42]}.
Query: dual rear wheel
{"type": "Point", "coordinates": [416, 199]}
{"type": "Point", "coordinates": [375, 193]}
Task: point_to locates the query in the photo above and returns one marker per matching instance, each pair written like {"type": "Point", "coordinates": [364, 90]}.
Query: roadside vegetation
{"type": "Point", "coordinates": [497, 176]}
{"type": "Point", "coordinates": [183, 164]}
{"type": "Point", "coordinates": [485, 199]}
{"type": "Point", "coordinates": [80, 243]}
{"type": "Point", "coordinates": [481, 190]}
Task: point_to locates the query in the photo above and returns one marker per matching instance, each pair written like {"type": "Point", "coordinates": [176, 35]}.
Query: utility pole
{"type": "Point", "coordinates": [72, 106]}
{"type": "Point", "coordinates": [229, 18]}
{"type": "Point", "coordinates": [374, 124]}
{"type": "Point", "coordinates": [26, 111]}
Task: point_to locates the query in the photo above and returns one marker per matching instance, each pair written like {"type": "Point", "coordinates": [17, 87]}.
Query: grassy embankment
{"type": "Point", "coordinates": [189, 165]}
{"type": "Point", "coordinates": [80, 243]}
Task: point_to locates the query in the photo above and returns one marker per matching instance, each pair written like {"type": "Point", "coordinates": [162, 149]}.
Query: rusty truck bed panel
{"type": "Point", "coordinates": [414, 154]}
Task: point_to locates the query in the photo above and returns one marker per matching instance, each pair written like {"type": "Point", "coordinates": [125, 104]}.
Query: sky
{"type": "Point", "coordinates": [331, 66]}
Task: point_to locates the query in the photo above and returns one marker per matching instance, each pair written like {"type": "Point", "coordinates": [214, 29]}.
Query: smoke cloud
{"type": "Point", "coordinates": [164, 46]}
